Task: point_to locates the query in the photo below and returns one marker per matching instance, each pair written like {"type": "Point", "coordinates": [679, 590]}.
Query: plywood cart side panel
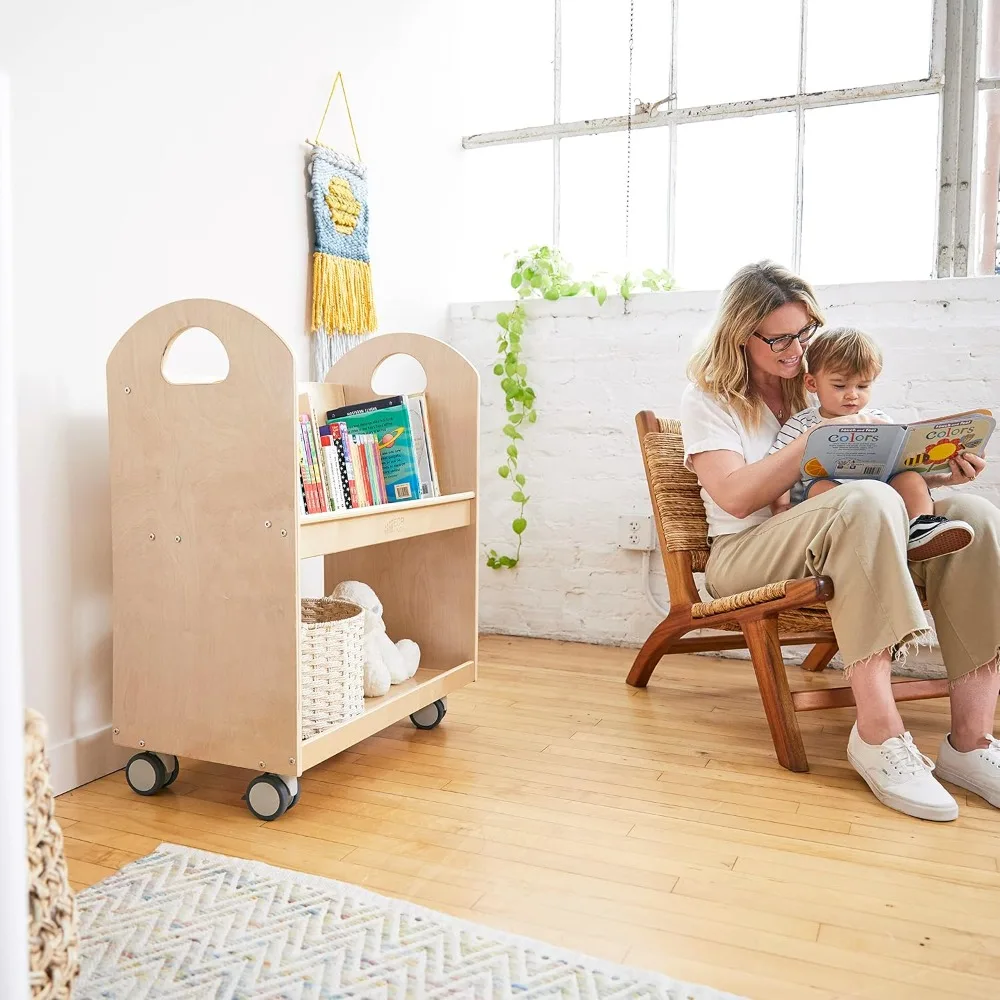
{"type": "Point", "coordinates": [428, 585]}
{"type": "Point", "coordinates": [204, 544]}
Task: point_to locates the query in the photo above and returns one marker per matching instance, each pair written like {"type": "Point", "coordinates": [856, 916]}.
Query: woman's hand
{"type": "Point", "coordinates": [964, 468]}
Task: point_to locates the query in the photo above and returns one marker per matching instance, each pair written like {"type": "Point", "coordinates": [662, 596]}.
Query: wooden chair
{"type": "Point", "coordinates": [787, 612]}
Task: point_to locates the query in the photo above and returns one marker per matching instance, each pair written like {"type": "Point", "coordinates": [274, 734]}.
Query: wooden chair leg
{"type": "Point", "coordinates": [656, 647]}
{"type": "Point", "coordinates": [765, 652]}
{"type": "Point", "coordinates": [820, 656]}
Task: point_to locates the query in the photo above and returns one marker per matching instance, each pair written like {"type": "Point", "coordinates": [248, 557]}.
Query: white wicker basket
{"type": "Point", "coordinates": [333, 664]}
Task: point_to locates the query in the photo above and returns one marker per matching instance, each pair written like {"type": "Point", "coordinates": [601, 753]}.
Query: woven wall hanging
{"type": "Point", "coordinates": [343, 308]}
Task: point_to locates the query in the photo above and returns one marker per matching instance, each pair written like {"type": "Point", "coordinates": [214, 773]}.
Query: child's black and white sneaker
{"type": "Point", "coordinates": [932, 536]}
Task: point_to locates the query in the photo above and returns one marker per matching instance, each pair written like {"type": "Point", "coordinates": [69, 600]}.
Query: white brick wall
{"type": "Point", "coordinates": [594, 367]}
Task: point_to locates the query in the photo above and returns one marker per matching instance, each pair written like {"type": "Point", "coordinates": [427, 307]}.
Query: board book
{"type": "Point", "coordinates": [880, 451]}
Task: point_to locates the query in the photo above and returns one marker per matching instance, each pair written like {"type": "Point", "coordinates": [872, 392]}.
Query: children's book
{"type": "Point", "coordinates": [880, 451]}
{"type": "Point", "coordinates": [393, 472]}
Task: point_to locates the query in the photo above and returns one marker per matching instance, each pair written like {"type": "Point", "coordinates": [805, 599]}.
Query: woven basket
{"type": "Point", "coordinates": [52, 926]}
{"type": "Point", "coordinates": [333, 664]}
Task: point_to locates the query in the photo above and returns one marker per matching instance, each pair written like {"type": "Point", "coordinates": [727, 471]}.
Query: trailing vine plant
{"type": "Point", "coordinates": [541, 273]}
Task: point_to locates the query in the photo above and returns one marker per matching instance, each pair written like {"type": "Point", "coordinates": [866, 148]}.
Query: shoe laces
{"type": "Point", "coordinates": [902, 754]}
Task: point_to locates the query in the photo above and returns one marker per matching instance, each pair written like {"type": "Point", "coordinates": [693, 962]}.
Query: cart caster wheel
{"type": "Point", "coordinates": [269, 796]}
{"type": "Point", "coordinates": [146, 773]}
{"type": "Point", "coordinates": [172, 776]}
{"type": "Point", "coordinates": [430, 716]}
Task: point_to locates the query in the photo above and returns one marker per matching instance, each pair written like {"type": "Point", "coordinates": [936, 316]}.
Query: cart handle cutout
{"type": "Point", "coordinates": [399, 375]}
{"type": "Point", "coordinates": [195, 356]}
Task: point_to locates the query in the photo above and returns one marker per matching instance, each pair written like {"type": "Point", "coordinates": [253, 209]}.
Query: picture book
{"type": "Point", "coordinates": [880, 451]}
{"type": "Point", "coordinates": [417, 406]}
{"type": "Point", "coordinates": [389, 458]}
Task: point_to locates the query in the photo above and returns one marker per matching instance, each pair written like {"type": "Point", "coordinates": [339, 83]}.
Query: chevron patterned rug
{"type": "Point", "coordinates": [181, 924]}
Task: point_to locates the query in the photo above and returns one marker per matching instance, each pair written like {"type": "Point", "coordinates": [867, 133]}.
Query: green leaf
{"type": "Point", "coordinates": [510, 405]}
{"type": "Point", "coordinates": [503, 319]}
{"type": "Point", "coordinates": [501, 346]}
{"type": "Point", "coordinates": [521, 370]}
{"type": "Point", "coordinates": [492, 562]}
{"type": "Point", "coordinates": [532, 416]}
{"type": "Point", "coordinates": [517, 496]}
{"type": "Point", "coordinates": [504, 471]}
{"type": "Point", "coordinates": [512, 450]}
{"type": "Point", "coordinates": [519, 524]}
{"type": "Point", "coordinates": [602, 296]}
{"type": "Point", "coordinates": [510, 366]}
{"type": "Point", "coordinates": [498, 369]}
{"type": "Point", "coordinates": [517, 418]}
{"type": "Point", "coordinates": [516, 279]}
{"type": "Point", "coordinates": [519, 479]}
{"type": "Point", "coordinates": [551, 294]}
{"type": "Point", "coordinates": [511, 431]}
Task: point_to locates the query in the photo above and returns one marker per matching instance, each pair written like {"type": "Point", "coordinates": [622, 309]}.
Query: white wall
{"type": "Point", "coordinates": [157, 154]}
{"type": "Point", "coordinates": [13, 926]}
{"type": "Point", "coordinates": [594, 367]}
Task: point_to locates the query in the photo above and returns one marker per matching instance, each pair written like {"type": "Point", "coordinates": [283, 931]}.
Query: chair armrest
{"type": "Point", "coordinates": [787, 595]}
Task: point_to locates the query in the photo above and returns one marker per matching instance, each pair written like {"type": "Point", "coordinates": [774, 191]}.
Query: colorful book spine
{"type": "Point", "coordinates": [344, 440]}
{"type": "Point", "coordinates": [421, 452]}
{"type": "Point", "coordinates": [393, 438]}
{"type": "Point", "coordinates": [314, 503]}
{"type": "Point", "coordinates": [364, 478]}
{"type": "Point", "coordinates": [318, 463]}
{"type": "Point", "coordinates": [332, 468]}
{"type": "Point", "coordinates": [376, 460]}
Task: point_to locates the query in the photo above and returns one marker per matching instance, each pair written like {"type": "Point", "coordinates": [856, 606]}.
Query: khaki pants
{"type": "Point", "coordinates": [856, 535]}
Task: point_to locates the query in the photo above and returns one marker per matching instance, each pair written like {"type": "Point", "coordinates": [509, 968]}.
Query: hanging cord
{"type": "Point", "coordinates": [338, 79]}
{"type": "Point", "coordinates": [628, 140]}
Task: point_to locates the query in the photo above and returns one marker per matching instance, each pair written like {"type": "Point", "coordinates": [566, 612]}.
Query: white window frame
{"type": "Point", "coordinates": [952, 73]}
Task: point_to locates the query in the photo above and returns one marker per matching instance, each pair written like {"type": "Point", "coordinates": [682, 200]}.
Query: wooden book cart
{"type": "Point", "coordinates": [207, 536]}
{"type": "Point", "coordinates": [784, 613]}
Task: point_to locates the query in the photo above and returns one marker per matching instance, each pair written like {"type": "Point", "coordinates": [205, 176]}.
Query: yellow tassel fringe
{"type": "Point", "coordinates": [342, 295]}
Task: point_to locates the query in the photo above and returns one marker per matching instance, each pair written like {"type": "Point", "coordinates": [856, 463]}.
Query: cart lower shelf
{"type": "Point", "coordinates": [426, 686]}
{"type": "Point", "coordinates": [423, 699]}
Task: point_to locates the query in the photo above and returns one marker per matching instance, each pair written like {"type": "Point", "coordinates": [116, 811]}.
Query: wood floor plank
{"type": "Point", "coordinates": [651, 826]}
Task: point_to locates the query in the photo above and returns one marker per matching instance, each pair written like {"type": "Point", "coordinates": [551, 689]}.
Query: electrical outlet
{"type": "Point", "coordinates": [635, 531]}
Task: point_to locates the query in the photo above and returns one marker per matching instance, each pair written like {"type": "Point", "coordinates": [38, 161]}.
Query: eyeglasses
{"type": "Point", "coordinates": [779, 344]}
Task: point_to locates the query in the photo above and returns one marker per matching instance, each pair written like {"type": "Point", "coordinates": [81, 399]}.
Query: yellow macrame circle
{"type": "Point", "coordinates": [344, 207]}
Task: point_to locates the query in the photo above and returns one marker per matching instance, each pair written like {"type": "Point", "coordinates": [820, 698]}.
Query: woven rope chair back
{"type": "Point", "coordinates": [676, 496]}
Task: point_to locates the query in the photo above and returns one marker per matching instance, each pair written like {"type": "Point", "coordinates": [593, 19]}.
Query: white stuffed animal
{"type": "Point", "coordinates": [386, 662]}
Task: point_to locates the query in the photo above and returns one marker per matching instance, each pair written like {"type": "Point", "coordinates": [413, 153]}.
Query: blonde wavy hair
{"type": "Point", "coordinates": [719, 366]}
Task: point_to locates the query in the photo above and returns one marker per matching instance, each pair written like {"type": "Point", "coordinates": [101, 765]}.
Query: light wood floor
{"type": "Point", "coordinates": [652, 827]}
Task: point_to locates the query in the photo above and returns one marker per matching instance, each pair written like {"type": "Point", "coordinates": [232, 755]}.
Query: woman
{"type": "Point", "coordinates": [746, 381]}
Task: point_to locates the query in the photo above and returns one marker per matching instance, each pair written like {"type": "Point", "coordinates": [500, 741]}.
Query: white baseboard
{"type": "Point", "coordinates": [85, 758]}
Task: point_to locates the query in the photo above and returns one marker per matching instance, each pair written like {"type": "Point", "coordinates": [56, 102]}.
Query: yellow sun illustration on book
{"type": "Point", "coordinates": [389, 438]}
{"type": "Point", "coordinates": [942, 451]}
{"type": "Point", "coordinates": [814, 467]}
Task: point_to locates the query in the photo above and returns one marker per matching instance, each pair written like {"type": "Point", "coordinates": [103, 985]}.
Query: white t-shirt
{"type": "Point", "coordinates": [706, 425]}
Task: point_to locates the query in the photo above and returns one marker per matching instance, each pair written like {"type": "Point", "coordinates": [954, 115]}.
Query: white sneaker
{"type": "Point", "coordinates": [900, 777]}
{"type": "Point", "coordinates": [978, 770]}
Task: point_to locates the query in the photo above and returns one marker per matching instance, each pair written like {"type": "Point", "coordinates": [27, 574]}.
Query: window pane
{"type": "Point", "coordinates": [507, 76]}
{"type": "Point", "coordinates": [733, 50]}
{"type": "Point", "coordinates": [592, 211]}
{"type": "Point", "coordinates": [507, 207]}
{"type": "Point", "coordinates": [595, 56]}
{"type": "Point", "coordinates": [735, 196]}
{"type": "Point", "coordinates": [870, 185]}
{"type": "Point", "coordinates": [986, 222]}
{"type": "Point", "coordinates": [851, 43]}
{"type": "Point", "coordinates": [989, 54]}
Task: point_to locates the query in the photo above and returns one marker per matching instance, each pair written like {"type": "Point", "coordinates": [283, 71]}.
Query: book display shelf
{"type": "Point", "coordinates": [208, 533]}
